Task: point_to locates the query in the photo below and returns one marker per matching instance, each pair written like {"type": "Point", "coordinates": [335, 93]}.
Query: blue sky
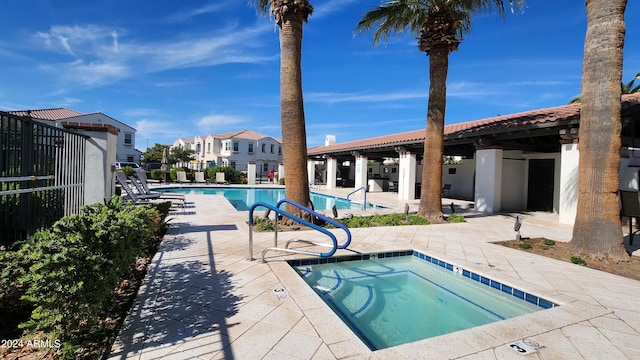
{"type": "Point", "coordinates": [184, 68]}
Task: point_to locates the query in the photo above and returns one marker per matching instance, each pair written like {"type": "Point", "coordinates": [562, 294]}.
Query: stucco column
{"type": "Point", "coordinates": [251, 173]}
{"type": "Point", "coordinates": [407, 175]}
{"type": "Point", "coordinates": [488, 196]}
{"type": "Point", "coordinates": [311, 170]}
{"type": "Point", "coordinates": [569, 159]}
{"type": "Point", "coordinates": [100, 159]}
{"type": "Point", "coordinates": [361, 171]}
{"type": "Point", "coordinates": [281, 172]}
{"type": "Point", "coordinates": [332, 167]}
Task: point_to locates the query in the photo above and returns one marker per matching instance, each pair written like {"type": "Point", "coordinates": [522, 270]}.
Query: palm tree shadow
{"type": "Point", "coordinates": [184, 301]}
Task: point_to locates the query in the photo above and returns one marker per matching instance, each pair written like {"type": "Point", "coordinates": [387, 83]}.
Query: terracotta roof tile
{"type": "Point", "coordinates": [535, 118]}
{"type": "Point", "coordinates": [48, 114]}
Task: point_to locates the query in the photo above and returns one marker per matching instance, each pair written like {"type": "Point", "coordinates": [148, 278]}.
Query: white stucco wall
{"type": "Point", "coordinates": [513, 190]}
{"type": "Point", "coordinates": [462, 182]}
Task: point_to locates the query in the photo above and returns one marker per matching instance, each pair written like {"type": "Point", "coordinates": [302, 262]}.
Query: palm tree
{"type": "Point", "coordinates": [628, 88]}
{"type": "Point", "coordinates": [440, 26]}
{"type": "Point", "coordinates": [289, 16]}
{"type": "Point", "coordinates": [597, 232]}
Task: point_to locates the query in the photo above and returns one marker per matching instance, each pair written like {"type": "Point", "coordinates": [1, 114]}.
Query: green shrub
{"type": "Point", "coordinates": [578, 260]}
{"type": "Point", "coordinates": [525, 246]}
{"type": "Point", "coordinates": [74, 266]}
{"type": "Point", "coordinates": [262, 224]}
{"type": "Point", "coordinates": [549, 242]}
{"type": "Point", "coordinates": [128, 170]}
{"type": "Point", "coordinates": [382, 220]}
{"type": "Point", "coordinates": [156, 174]}
{"type": "Point", "coordinates": [231, 175]}
{"type": "Point", "coordinates": [456, 218]}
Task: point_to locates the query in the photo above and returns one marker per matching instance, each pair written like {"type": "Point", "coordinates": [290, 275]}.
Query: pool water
{"type": "Point", "coordinates": [243, 197]}
{"type": "Point", "coordinates": [394, 300]}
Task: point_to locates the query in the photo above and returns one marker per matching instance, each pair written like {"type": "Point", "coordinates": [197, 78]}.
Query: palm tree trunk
{"type": "Point", "coordinates": [597, 232]}
{"type": "Point", "coordinates": [430, 194]}
{"type": "Point", "coordinates": [294, 136]}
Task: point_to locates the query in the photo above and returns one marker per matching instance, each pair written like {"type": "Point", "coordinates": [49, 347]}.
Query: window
{"type": "Point", "coordinates": [232, 164]}
{"type": "Point", "coordinates": [198, 147]}
{"type": "Point", "coordinates": [236, 146]}
{"type": "Point", "coordinates": [272, 148]}
{"type": "Point", "coordinates": [250, 148]}
{"type": "Point", "coordinates": [128, 138]}
{"type": "Point", "coordinates": [279, 150]}
{"type": "Point", "coordinates": [208, 148]}
{"type": "Point", "coordinates": [264, 147]}
{"type": "Point", "coordinates": [265, 167]}
{"type": "Point", "coordinates": [227, 146]}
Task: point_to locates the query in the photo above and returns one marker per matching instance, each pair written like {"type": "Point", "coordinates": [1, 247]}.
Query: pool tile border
{"type": "Point", "coordinates": [517, 293]}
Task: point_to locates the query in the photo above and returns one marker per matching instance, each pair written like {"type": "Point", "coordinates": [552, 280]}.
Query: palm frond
{"type": "Point", "coordinates": [398, 16]}
{"type": "Point", "coordinates": [263, 7]}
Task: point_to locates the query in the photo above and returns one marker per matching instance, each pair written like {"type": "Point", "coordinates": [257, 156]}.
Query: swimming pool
{"type": "Point", "coordinates": [243, 197]}
{"type": "Point", "coordinates": [394, 298]}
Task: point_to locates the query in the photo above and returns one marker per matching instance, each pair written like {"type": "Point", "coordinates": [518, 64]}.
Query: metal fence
{"type": "Point", "coordinates": [41, 176]}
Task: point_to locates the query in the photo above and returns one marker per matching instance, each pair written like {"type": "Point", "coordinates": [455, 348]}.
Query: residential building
{"type": "Point", "coordinates": [235, 149]}
{"type": "Point", "coordinates": [126, 142]}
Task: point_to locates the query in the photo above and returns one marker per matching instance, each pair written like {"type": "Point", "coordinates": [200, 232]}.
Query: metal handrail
{"type": "Point", "coordinates": [364, 204]}
{"type": "Point", "coordinates": [278, 212]}
{"type": "Point", "coordinates": [321, 217]}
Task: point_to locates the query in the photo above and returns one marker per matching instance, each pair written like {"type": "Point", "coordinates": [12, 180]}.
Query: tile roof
{"type": "Point", "coordinates": [540, 118]}
{"type": "Point", "coordinates": [243, 134]}
{"type": "Point", "coordinates": [48, 114]}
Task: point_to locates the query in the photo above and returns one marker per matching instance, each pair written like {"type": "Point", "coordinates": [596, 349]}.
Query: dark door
{"type": "Point", "coordinates": [540, 192]}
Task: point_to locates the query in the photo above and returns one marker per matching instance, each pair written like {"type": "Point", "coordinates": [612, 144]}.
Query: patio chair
{"type": "Point", "coordinates": [220, 178]}
{"type": "Point", "coordinates": [140, 182]}
{"type": "Point", "coordinates": [138, 198]}
{"type": "Point", "coordinates": [200, 177]}
{"type": "Point", "coordinates": [630, 207]}
{"type": "Point", "coordinates": [138, 185]}
{"type": "Point", "coordinates": [181, 177]}
{"type": "Point", "coordinates": [446, 190]}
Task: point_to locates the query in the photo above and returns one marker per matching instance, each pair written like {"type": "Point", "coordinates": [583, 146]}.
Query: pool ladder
{"type": "Point", "coordinates": [334, 242]}
{"type": "Point", "coordinates": [364, 189]}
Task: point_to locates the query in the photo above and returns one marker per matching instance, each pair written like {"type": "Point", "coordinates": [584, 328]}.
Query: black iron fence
{"type": "Point", "coordinates": [41, 176]}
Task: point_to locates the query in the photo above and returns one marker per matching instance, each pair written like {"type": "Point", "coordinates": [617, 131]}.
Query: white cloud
{"type": "Point", "coordinates": [104, 55]}
{"type": "Point", "coordinates": [187, 14]}
{"type": "Point", "coordinates": [333, 97]}
{"type": "Point", "coordinates": [158, 131]}
{"type": "Point", "coordinates": [330, 6]}
{"type": "Point", "coordinates": [216, 123]}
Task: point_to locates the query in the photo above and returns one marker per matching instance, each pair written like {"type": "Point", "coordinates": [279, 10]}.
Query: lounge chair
{"type": "Point", "coordinates": [200, 177]}
{"type": "Point", "coordinates": [141, 198]}
{"type": "Point", "coordinates": [137, 184]}
{"type": "Point", "coordinates": [220, 178]}
{"type": "Point", "coordinates": [140, 182]}
{"type": "Point", "coordinates": [181, 177]}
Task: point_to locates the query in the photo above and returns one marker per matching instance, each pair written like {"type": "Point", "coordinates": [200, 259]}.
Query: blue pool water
{"type": "Point", "coordinates": [243, 197]}
{"type": "Point", "coordinates": [395, 298]}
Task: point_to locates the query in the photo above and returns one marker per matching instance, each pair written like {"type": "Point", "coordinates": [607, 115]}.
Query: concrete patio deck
{"type": "Point", "coordinates": [202, 298]}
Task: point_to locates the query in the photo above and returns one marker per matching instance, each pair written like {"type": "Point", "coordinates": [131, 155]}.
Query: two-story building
{"type": "Point", "coordinates": [126, 147]}
{"type": "Point", "coordinates": [235, 149]}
